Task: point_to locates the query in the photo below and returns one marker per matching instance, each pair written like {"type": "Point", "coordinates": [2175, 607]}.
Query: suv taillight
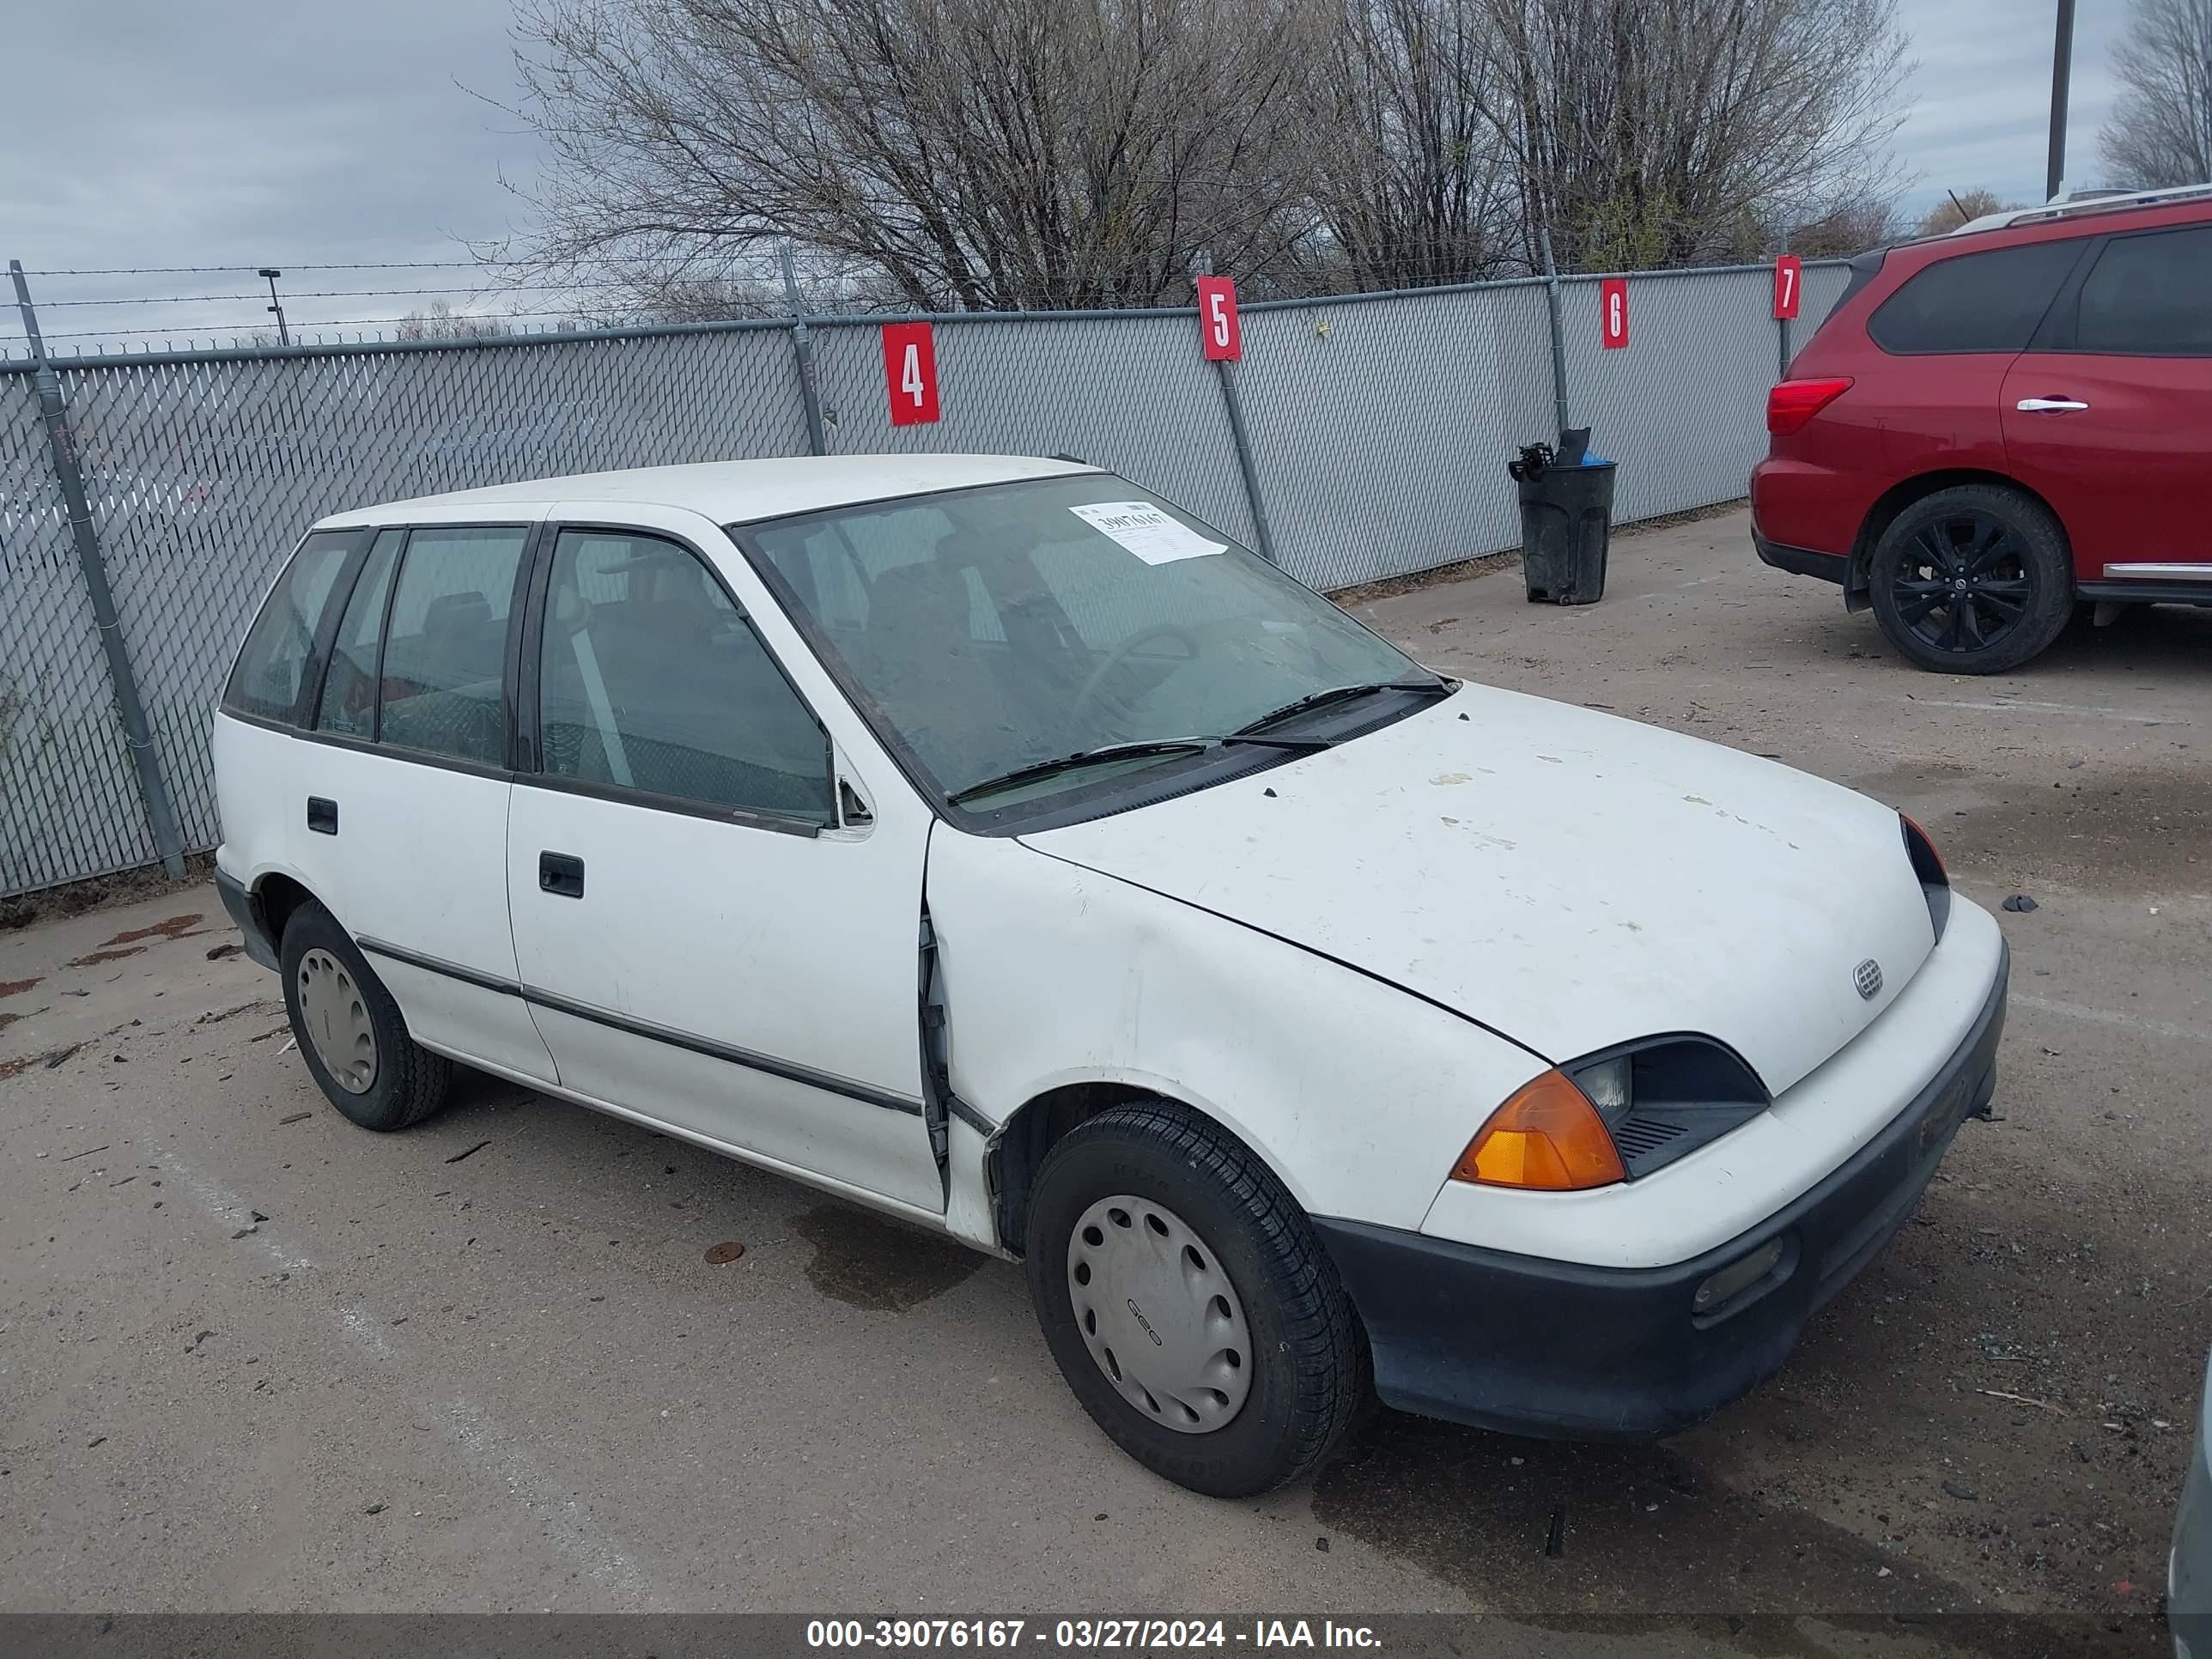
{"type": "Point", "coordinates": [1793, 402]}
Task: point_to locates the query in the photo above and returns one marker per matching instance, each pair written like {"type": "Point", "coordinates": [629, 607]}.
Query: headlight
{"type": "Point", "coordinates": [1614, 1115]}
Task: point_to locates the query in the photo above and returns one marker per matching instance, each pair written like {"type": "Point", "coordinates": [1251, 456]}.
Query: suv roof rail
{"type": "Point", "coordinates": [2086, 201]}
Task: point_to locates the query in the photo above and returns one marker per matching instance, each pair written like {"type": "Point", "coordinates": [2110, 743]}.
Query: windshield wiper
{"type": "Point", "coordinates": [1104, 751]}
{"type": "Point", "coordinates": [1338, 694]}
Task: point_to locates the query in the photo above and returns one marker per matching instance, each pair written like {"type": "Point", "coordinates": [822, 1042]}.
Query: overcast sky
{"type": "Point", "coordinates": [302, 132]}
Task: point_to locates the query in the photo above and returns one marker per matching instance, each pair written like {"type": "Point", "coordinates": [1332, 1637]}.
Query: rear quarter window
{"type": "Point", "coordinates": [279, 656]}
{"type": "Point", "coordinates": [1987, 301]}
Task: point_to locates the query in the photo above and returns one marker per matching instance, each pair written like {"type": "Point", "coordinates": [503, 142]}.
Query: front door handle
{"type": "Point", "coordinates": [560, 875]}
{"type": "Point", "coordinates": [322, 815]}
{"type": "Point", "coordinates": [2049, 405]}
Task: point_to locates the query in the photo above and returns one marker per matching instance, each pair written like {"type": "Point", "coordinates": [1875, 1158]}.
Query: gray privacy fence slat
{"type": "Point", "coordinates": [1379, 425]}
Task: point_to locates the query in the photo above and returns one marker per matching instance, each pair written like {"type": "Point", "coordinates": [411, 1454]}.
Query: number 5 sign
{"type": "Point", "coordinates": [910, 372]}
{"type": "Point", "coordinates": [1788, 277]}
{"type": "Point", "coordinates": [1217, 319]}
{"type": "Point", "coordinates": [1613, 312]}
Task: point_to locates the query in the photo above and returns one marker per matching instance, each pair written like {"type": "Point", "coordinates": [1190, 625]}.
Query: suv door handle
{"type": "Point", "coordinates": [2049, 405]}
{"type": "Point", "coordinates": [561, 874]}
{"type": "Point", "coordinates": [322, 815]}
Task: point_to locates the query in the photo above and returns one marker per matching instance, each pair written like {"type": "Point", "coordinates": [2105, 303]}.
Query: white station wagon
{"type": "Point", "coordinates": [989, 842]}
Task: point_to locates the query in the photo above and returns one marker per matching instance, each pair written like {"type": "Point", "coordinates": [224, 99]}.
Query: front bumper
{"type": "Point", "coordinates": [1537, 1346]}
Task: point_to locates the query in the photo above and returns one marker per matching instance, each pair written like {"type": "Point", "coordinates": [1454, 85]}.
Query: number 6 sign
{"type": "Point", "coordinates": [910, 372]}
{"type": "Point", "coordinates": [1613, 312]}
{"type": "Point", "coordinates": [1217, 319]}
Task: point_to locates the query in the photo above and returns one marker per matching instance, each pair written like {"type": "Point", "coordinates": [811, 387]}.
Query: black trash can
{"type": "Point", "coordinates": [1566, 523]}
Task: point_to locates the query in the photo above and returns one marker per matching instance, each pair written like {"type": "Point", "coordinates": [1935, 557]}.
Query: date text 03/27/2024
{"type": "Point", "coordinates": [1086, 1634]}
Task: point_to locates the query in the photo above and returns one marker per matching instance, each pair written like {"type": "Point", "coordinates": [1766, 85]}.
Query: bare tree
{"type": "Point", "coordinates": [442, 322]}
{"type": "Point", "coordinates": [976, 152]}
{"type": "Point", "coordinates": [1409, 191]}
{"type": "Point", "coordinates": [2161, 129]}
{"type": "Point", "coordinates": [1960, 206]}
{"type": "Point", "coordinates": [1846, 228]}
{"type": "Point", "coordinates": [1646, 133]}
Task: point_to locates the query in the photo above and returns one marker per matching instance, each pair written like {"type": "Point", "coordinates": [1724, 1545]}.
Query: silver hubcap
{"type": "Point", "coordinates": [1158, 1314]}
{"type": "Point", "coordinates": [336, 1015]}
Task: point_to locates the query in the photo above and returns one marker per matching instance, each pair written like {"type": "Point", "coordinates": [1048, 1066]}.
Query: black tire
{"type": "Point", "coordinates": [1307, 1367]}
{"type": "Point", "coordinates": [409, 1081]}
{"type": "Point", "coordinates": [1974, 579]}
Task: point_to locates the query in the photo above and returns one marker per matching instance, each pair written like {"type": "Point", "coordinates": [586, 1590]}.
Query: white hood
{"type": "Point", "coordinates": [1570, 879]}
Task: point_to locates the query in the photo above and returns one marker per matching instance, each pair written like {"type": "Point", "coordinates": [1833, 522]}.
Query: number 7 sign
{"type": "Point", "coordinates": [1217, 328]}
{"type": "Point", "coordinates": [910, 372]}
{"type": "Point", "coordinates": [1788, 277]}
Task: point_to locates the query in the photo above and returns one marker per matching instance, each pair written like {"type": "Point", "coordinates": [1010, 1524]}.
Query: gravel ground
{"type": "Point", "coordinates": [252, 1358]}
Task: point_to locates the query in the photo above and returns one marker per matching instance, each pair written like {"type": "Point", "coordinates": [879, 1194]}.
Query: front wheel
{"type": "Point", "coordinates": [1974, 579]}
{"type": "Point", "coordinates": [1189, 1303]}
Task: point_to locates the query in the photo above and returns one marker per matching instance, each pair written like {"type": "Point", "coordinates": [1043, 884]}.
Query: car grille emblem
{"type": "Point", "coordinates": [1867, 977]}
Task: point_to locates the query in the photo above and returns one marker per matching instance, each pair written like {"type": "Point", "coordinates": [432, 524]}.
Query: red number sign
{"type": "Point", "coordinates": [1217, 319]}
{"type": "Point", "coordinates": [1613, 312]}
{"type": "Point", "coordinates": [1788, 277]}
{"type": "Point", "coordinates": [910, 372]}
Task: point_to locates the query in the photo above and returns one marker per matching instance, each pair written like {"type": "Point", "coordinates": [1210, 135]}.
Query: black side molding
{"type": "Point", "coordinates": [792, 1071]}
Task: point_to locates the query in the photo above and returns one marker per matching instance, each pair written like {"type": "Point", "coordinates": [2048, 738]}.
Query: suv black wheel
{"type": "Point", "coordinates": [1189, 1303]}
{"type": "Point", "coordinates": [350, 1031]}
{"type": "Point", "coordinates": [1974, 579]}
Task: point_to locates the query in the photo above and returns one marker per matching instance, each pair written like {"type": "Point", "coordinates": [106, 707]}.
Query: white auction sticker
{"type": "Point", "coordinates": [1153, 536]}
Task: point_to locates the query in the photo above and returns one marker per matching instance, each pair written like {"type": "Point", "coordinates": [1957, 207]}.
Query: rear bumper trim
{"type": "Point", "coordinates": [1801, 561]}
{"type": "Point", "coordinates": [246, 916]}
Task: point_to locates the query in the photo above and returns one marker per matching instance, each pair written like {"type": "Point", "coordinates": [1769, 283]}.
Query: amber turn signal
{"type": "Point", "coordinates": [1546, 1137]}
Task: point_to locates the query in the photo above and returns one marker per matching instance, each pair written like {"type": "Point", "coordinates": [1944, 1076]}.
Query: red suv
{"type": "Point", "coordinates": [1996, 425]}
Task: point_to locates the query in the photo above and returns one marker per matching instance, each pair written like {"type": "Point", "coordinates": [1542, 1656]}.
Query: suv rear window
{"type": "Point", "coordinates": [2147, 294]}
{"type": "Point", "coordinates": [1987, 301]}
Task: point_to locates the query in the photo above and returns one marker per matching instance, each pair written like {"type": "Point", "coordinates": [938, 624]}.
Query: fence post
{"type": "Point", "coordinates": [802, 344]}
{"type": "Point", "coordinates": [1781, 324]}
{"type": "Point", "coordinates": [153, 787]}
{"type": "Point", "coordinates": [1558, 330]}
{"type": "Point", "coordinates": [1244, 462]}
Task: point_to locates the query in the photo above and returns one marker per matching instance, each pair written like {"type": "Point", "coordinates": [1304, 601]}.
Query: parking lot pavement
{"type": "Point", "coordinates": [252, 1358]}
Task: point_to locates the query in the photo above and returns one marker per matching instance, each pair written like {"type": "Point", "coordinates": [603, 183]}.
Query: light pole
{"type": "Point", "coordinates": [283, 334]}
{"type": "Point", "coordinates": [2061, 68]}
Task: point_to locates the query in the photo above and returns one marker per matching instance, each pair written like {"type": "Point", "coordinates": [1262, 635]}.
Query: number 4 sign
{"type": "Point", "coordinates": [1217, 319]}
{"type": "Point", "coordinates": [1613, 312]}
{"type": "Point", "coordinates": [910, 372]}
{"type": "Point", "coordinates": [1788, 277]}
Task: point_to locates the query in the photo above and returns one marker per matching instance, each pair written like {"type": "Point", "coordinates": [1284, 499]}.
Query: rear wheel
{"type": "Point", "coordinates": [1974, 579]}
{"type": "Point", "coordinates": [350, 1031]}
{"type": "Point", "coordinates": [1189, 1303]}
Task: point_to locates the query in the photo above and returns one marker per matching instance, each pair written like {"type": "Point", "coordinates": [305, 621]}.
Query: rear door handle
{"type": "Point", "coordinates": [322, 815]}
{"type": "Point", "coordinates": [2049, 405]}
{"type": "Point", "coordinates": [560, 875]}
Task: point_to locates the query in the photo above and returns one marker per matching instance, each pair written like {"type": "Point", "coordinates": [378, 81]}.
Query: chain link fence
{"type": "Point", "coordinates": [1376, 425]}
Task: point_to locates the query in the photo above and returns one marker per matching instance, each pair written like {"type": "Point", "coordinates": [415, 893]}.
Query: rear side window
{"type": "Point", "coordinates": [349, 703]}
{"type": "Point", "coordinates": [650, 679]}
{"type": "Point", "coordinates": [1987, 301]}
{"type": "Point", "coordinates": [2150, 294]}
{"type": "Point", "coordinates": [279, 654]}
{"type": "Point", "coordinates": [445, 655]}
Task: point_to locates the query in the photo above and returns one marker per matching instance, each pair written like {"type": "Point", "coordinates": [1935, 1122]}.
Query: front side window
{"type": "Point", "coordinates": [1988, 301]}
{"type": "Point", "coordinates": [2150, 294]}
{"type": "Point", "coordinates": [986, 632]}
{"type": "Point", "coordinates": [445, 653]}
{"type": "Point", "coordinates": [649, 679]}
{"type": "Point", "coordinates": [279, 653]}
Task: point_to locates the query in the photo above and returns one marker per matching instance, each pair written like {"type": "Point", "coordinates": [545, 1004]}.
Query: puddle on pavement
{"type": "Point", "coordinates": [172, 927]}
{"type": "Point", "coordinates": [865, 1261]}
{"type": "Point", "coordinates": [1648, 1543]}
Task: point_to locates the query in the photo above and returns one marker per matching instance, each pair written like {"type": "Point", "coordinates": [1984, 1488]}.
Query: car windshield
{"type": "Point", "coordinates": [989, 632]}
